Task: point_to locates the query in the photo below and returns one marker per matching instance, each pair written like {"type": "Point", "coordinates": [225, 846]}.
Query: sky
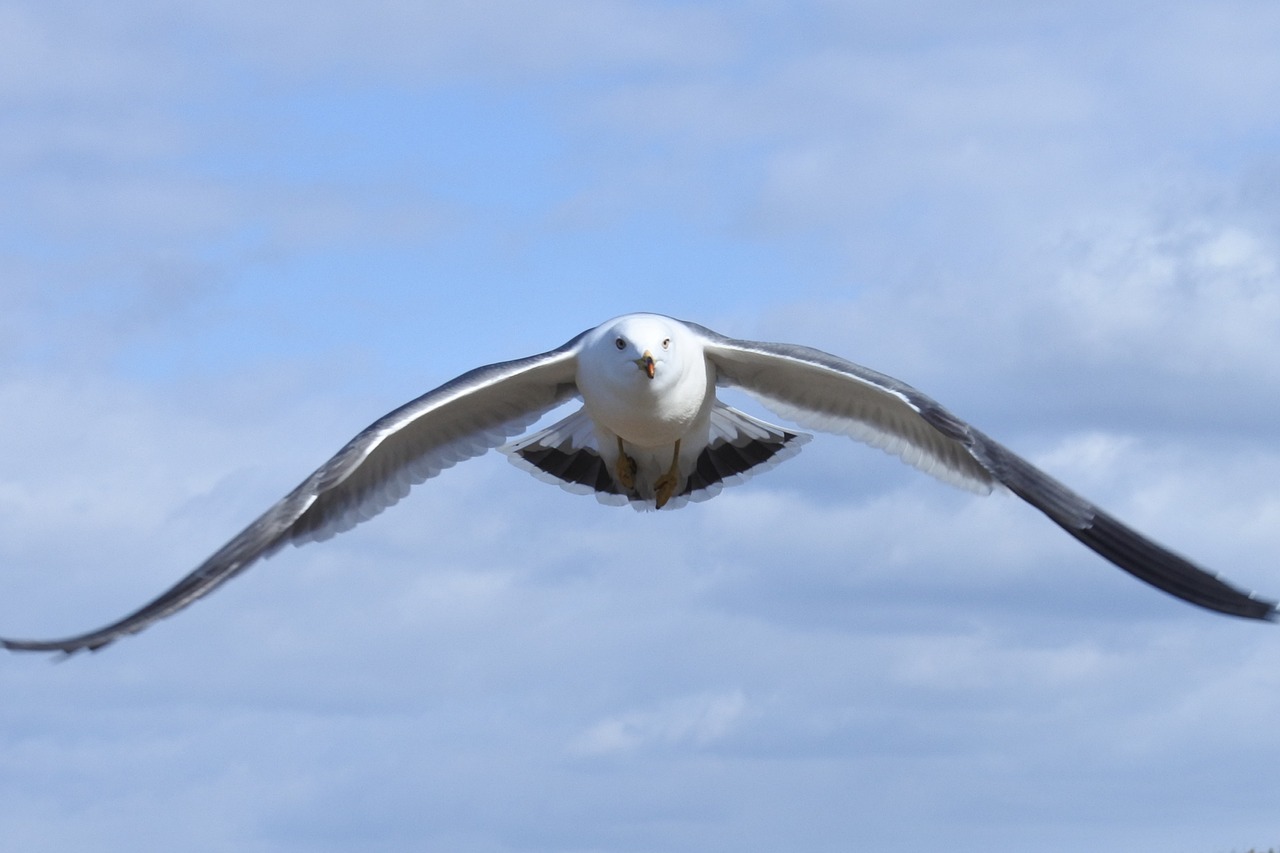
{"type": "Point", "coordinates": [233, 234]}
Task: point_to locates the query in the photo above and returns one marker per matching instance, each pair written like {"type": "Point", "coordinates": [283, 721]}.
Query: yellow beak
{"type": "Point", "coordinates": [645, 363]}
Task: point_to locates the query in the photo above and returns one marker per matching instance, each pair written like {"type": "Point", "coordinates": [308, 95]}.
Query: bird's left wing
{"type": "Point", "coordinates": [463, 418]}
{"type": "Point", "coordinates": [820, 391]}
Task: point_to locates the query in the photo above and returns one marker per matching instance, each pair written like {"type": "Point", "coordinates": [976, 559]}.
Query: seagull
{"type": "Point", "coordinates": [652, 433]}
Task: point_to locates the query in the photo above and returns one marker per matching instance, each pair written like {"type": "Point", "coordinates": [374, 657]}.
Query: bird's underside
{"type": "Point", "coordinates": [679, 365]}
{"type": "Point", "coordinates": [737, 446]}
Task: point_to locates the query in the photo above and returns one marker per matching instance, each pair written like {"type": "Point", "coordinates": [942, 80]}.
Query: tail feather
{"type": "Point", "coordinates": [565, 454]}
{"type": "Point", "coordinates": [737, 447]}
{"type": "Point", "coordinates": [740, 446]}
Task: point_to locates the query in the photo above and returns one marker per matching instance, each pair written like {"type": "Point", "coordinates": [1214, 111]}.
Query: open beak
{"type": "Point", "coordinates": [645, 363]}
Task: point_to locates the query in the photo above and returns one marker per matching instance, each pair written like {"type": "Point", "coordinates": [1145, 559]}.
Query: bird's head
{"type": "Point", "coordinates": [644, 345]}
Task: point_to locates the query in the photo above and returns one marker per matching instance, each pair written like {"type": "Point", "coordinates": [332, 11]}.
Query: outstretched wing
{"type": "Point", "coordinates": [823, 392]}
{"type": "Point", "coordinates": [463, 418]}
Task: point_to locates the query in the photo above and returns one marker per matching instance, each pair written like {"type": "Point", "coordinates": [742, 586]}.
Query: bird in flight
{"type": "Point", "coordinates": [651, 432]}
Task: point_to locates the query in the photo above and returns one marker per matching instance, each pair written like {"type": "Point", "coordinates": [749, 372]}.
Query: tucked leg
{"type": "Point", "coordinates": [665, 486]}
{"type": "Point", "coordinates": [625, 469]}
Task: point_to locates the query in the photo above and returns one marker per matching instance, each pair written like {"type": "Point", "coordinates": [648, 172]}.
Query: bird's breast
{"type": "Point", "coordinates": [649, 413]}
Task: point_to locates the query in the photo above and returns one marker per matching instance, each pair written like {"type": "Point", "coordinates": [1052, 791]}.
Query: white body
{"type": "Point", "coordinates": [649, 414]}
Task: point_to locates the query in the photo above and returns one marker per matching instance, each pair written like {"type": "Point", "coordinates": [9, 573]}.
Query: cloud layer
{"type": "Point", "coordinates": [237, 233]}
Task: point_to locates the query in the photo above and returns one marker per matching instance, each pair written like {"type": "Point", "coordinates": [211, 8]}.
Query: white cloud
{"type": "Point", "coordinates": [966, 663]}
{"type": "Point", "coordinates": [52, 56]}
{"type": "Point", "coordinates": [426, 44]}
{"type": "Point", "coordinates": [691, 720]}
{"type": "Point", "coordinates": [238, 237]}
{"type": "Point", "coordinates": [1205, 295]}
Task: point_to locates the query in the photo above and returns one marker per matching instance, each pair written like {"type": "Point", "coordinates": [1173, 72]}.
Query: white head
{"type": "Point", "coordinates": [643, 376]}
{"type": "Point", "coordinates": [637, 350]}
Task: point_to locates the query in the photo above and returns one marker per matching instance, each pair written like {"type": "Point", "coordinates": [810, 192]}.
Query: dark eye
{"type": "Point", "coordinates": [666, 342]}
{"type": "Point", "coordinates": [620, 343]}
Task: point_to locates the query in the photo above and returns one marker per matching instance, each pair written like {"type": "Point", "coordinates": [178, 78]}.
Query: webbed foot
{"type": "Point", "coordinates": [665, 486]}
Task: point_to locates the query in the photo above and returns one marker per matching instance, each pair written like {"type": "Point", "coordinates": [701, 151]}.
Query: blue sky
{"type": "Point", "coordinates": [234, 234]}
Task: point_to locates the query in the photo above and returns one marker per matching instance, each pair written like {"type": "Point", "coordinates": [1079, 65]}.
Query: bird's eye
{"type": "Point", "coordinates": [666, 343]}
{"type": "Point", "coordinates": [620, 343]}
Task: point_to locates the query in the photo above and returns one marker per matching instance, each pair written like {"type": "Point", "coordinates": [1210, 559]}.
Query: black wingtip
{"type": "Point", "coordinates": [1115, 541]}
{"type": "Point", "coordinates": [1170, 572]}
{"type": "Point", "coordinates": [1255, 608]}
{"type": "Point", "coordinates": [62, 649]}
{"type": "Point", "coordinates": [1270, 613]}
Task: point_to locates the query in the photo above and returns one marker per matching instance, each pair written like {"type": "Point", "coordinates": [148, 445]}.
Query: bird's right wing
{"type": "Point", "coordinates": [824, 392]}
{"type": "Point", "coordinates": [463, 418]}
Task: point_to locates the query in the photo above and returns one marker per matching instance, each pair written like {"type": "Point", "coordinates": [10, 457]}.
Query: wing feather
{"type": "Point", "coordinates": [463, 418]}
{"type": "Point", "coordinates": [823, 392]}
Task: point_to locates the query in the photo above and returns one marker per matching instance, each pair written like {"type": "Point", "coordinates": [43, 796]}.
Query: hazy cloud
{"type": "Point", "coordinates": [236, 234]}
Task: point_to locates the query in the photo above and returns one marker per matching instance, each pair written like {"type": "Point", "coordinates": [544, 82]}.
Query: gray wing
{"type": "Point", "coordinates": [823, 392]}
{"type": "Point", "coordinates": [463, 418]}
